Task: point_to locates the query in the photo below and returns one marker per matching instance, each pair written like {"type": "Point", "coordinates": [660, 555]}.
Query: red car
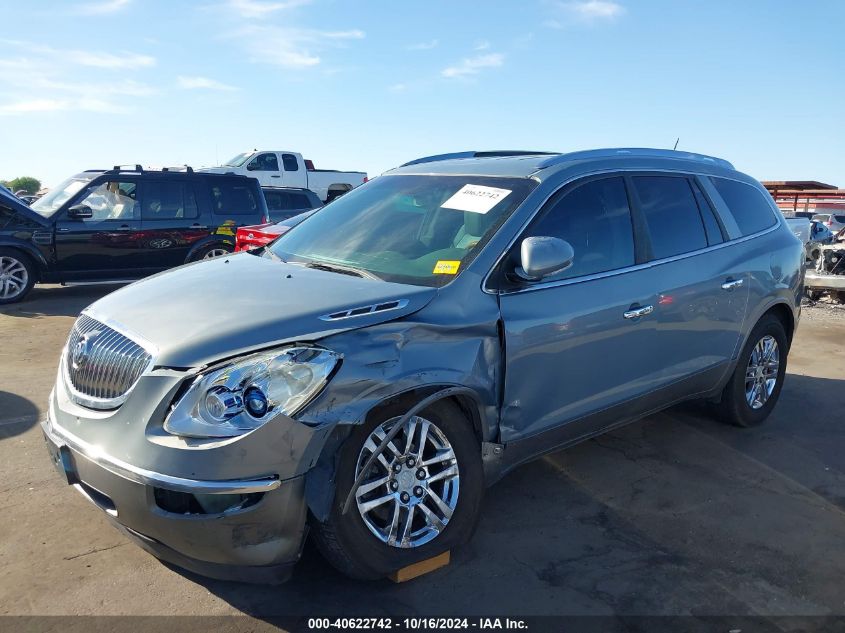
{"type": "Point", "coordinates": [248, 238]}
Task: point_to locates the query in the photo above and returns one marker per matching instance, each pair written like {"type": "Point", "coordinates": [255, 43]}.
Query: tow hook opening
{"type": "Point", "coordinates": [184, 503]}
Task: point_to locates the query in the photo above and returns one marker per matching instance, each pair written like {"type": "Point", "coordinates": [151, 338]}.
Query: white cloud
{"type": "Point", "coordinates": [251, 9]}
{"type": "Point", "coordinates": [587, 11]}
{"type": "Point", "coordinates": [58, 105]}
{"type": "Point", "coordinates": [109, 60]}
{"type": "Point", "coordinates": [481, 45]}
{"type": "Point", "coordinates": [398, 88]}
{"type": "Point", "coordinates": [473, 65]}
{"type": "Point", "coordinates": [203, 83]}
{"type": "Point", "coordinates": [102, 8]}
{"type": "Point", "coordinates": [424, 46]}
{"type": "Point", "coordinates": [54, 77]}
{"type": "Point", "coordinates": [290, 47]}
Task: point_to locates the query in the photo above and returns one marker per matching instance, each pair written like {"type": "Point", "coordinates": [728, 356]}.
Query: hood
{"type": "Point", "coordinates": [213, 309]}
{"type": "Point", "coordinates": [21, 208]}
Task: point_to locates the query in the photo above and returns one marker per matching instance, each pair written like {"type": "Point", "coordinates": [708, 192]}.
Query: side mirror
{"type": "Point", "coordinates": [543, 256]}
{"type": "Point", "coordinates": [80, 212]}
{"type": "Point", "coordinates": [252, 166]}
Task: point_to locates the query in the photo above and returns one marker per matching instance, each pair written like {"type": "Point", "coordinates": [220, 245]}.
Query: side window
{"type": "Point", "coordinates": [233, 198]}
{"type": "Point", "coordinates": [264, 162]}
{"type": "Point", "coordinates": [275, 200]}
{"type": "Point", "coordinates": [299, 201]}
{"type": "Point", "coordinates": [711, 224]}
{"type": "Point", "coordinates": [747, 204]}
{"type": "Point", "coordinates": [111, 200]}
{"type": "Point", "coordinates": [596, 220]}
{"type": "Point", "coordinates": [168, 201]}
{"type": "Point", "coordinates": [671, 214]}
{"type": "Point", "coordinates": [289, 162]}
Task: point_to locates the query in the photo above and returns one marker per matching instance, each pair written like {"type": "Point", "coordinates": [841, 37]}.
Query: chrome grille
{"type": "Point", "coordinates": [101, 364]}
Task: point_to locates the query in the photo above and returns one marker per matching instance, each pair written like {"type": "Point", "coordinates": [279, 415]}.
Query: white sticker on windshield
{"type": "Point", "coordinates": [476, 198]}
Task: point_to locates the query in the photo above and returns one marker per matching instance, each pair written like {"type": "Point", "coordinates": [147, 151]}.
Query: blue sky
{"type": "Point", "coordinates": [369, 85]}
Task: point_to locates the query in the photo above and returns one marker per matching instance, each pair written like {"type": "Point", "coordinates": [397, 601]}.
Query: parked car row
{"type": "Point", "coordinates": [124, 224]}
{"type": "Point", "coordinates": [407, 345]}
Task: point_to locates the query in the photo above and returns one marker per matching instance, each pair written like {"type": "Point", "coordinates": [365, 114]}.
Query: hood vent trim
{"type": "Point", "coordinates": [351, 313]}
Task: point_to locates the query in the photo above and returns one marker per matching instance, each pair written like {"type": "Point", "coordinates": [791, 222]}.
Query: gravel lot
{"type": "Point", "coordinates": [675, 514]}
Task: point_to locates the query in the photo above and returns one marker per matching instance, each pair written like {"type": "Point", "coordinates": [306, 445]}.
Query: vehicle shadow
{"type": "Point", "coordinates": [54, 300]}
{"type": "Point", "coordinates": [18, 414]}
{"type": "Point", "coordinates": [676, 513]}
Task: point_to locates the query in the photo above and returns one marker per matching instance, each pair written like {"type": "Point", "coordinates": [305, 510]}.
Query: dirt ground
{"type": "Point", "coordinates": [675, 514]}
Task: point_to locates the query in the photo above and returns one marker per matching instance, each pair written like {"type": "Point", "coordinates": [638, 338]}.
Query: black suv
{"type": "Point", "coordinates": [122, 224]}
{"type": "Point", "coordinates": [286, 202]}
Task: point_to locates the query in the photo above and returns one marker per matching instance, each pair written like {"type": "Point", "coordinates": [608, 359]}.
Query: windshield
{"type": "Point", "coordinates": [49, 203]}
{"type": "Point", "coordinates": [238, 160]}
{"type": "Point", "coordinates": [420, 230]}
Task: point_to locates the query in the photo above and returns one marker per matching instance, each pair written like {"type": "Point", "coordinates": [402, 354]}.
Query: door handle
{"type": "Point", "coordinates": [199, 226]}
{"type": "Point", "coordinates": [124, 227]}
{"type": "Point", "coordinates": [636, 313]}
{"type": "Point", "coordinates": [274, 176]}
{"type": "Point", "coordinates": [730, 284]}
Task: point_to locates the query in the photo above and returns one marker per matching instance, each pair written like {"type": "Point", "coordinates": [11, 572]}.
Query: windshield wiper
{"type": "Point", "coordinates": [343, 270]}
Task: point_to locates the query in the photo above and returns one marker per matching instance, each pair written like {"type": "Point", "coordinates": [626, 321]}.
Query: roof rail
{"type": "Point", "coordinates": [474, 154]}
{"type": "Point", "coordinates": [633, 152]}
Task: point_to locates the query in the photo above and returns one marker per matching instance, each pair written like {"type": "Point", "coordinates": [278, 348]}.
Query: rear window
{"type": "Point", "coordinates": [671, 213]}
{"type": "Point", "coordinates": [749, 206]}
{"type": "Point", "coordinates": [289, 162]}
{"type": "Point", "coordinates": [233, 198]}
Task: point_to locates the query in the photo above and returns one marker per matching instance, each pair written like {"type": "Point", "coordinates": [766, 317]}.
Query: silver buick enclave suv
{"type": "Point", "coordinates": [372, 370]}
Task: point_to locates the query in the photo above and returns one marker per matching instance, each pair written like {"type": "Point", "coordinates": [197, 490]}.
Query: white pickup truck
{"type": "Point", "coordinates": [279, 168]}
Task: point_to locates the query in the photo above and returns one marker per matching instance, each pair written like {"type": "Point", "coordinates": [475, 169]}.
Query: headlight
{"type": "Point", "coordinates": [251, 391]}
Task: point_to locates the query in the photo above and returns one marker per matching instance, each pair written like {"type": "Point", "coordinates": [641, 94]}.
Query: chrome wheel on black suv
{"type": "Point", "coordinates": [419, 498]}
{"type": "Point", "coordinates": [17, 276]}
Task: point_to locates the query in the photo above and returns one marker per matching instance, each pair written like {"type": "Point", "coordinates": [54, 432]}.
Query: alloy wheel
{"type": "Point", "coordinates": [13, 277]}
{"type": "Point", "coordinates": [761, 375]}
{"type": "Point", "coordinates": [411, 491]}
{"type": "Point", "coordinates": [215, 252]}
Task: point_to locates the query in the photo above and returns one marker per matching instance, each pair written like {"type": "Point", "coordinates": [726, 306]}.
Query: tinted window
{"type": "Point", "coordinates": [299, 201]}
{"type": "Point", "coordinates": [750, 208]}
{"type": "Point", "coordinates": [711, 224]}
{"type": "Point", "coordinates": [276, 200]}
{"type": "Point", "coordinates": [168, 201]}
{"type": "Point", "coordinates": [289, 162]}
{"type": "Point", "coordinates": [839, 218]}
{"type": "Point", "coordinates": [264, 162]}
{"type": "Point", "coordinates": [111, 200]}
{"type": "Point", "coordinates": [233, 198]}
{"type": "Point", "coordinates": [671, 214]}
{"type": "Point", "coordinates": [596, 220]}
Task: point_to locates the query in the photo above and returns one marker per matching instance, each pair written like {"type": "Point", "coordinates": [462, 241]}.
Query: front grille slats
{"type": "Point", "coordinates": [102, 364]}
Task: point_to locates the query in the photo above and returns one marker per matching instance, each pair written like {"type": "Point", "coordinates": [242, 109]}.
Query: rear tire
{"type": "Point", "coordinates": [17, 275]}
{"type": "Point", "coordinates": [212, 251]}
{"type": "Point", "coordinates": [750, 396]}
{"type": "Point", "coordinates": [353, 546]}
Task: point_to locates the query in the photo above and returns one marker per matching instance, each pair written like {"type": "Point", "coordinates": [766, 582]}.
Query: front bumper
{"type": "Point", "coordinates": [832, 282]}
{"type": "Point", "coordinates": [257, 541]}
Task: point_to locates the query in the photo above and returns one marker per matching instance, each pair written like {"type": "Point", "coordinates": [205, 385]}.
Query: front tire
{"type": "Point", "coordinates": [755, 386]}
{"type": "Point", "coordinates": [422, 499]}
{"type": "Point", "coordinates": [17, 275]}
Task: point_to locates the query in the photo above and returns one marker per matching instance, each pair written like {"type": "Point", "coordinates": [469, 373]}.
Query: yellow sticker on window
{"type": "Point", "coordinates": [446, 267]}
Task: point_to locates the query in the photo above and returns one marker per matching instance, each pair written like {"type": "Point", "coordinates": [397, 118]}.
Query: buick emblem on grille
{"type": "Point", "coordinates": [82, 350]}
